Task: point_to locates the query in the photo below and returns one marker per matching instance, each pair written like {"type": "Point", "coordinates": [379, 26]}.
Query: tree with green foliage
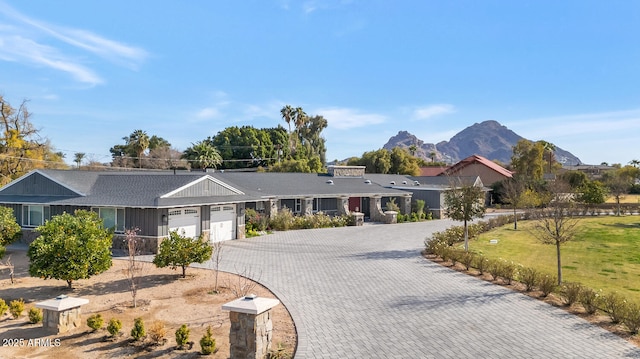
{"type": "Point", "coordinates": [575, 179]}
{"type": "Point", "coordinates": [132, 152]}
{"type": "Point", "coordinates": [203, 154]}
{"type": "Point", "coordinates": [619, 182]}
{"type": "Point", "coordinates": [464, 202]}
{"type": "Point", "coordinates": [10, 230]}
{"type": "Point", "coordinates": [180, 251]}
{"type": "Point", "coordinates": [592, 193]}
{"type": "Point", "coordinates": [402, 162]}
{"type": "Point", "coordinates": [528, 160]}
{"type": "Point", "coordinates": [138, 141]}
{"type": "Point", "coordinates": [396, 161]}
{"type": "Point", "coordinates": [78, 157]}
{"type": "Point", "coordinates": [71, 247]}
{"type": "Point", "coordinates": [555, 223]}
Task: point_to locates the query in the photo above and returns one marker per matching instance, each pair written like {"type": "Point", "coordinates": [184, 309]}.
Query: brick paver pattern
{"type": "Point", "coordinates": [366, 292]}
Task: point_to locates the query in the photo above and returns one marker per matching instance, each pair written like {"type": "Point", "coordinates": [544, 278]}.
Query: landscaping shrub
{"type": "Point", "coordinates": [614, 305]}
{"type": "Point", "coordinates": [158, 332]}
{"type": "Point", "coordinates": [182, 336]}
{"type": "Point", "coordinates": [35, 315]}
{"type": "Point", "coordinates": [3, 307]}
{"type": "Point", "coordinates": [589, 300]}
{"type": "Point", "coordinates": [467, 258]}
{"type": "Point", "coordinates": [95, 322]}
{"type": "Point", "coordinates": [114, 327]}
{"type": "Point", "coordinates": [16, 307]}
{"type": "Point", "coordinates": [283, 220]}
{"type": "Point", "coordinates": [494, 268]}
{"type": "Point", "coordinates": [529, 277]}
{"type": "Point", "coordinates": [571, 292]}
{"type": "Point", "coordinates": [507, 271]}
{"type": "Point", "coordinates": [207, 343]}
{"type": "Point", "coordinates": [418, 207]}
{"type": "Point", "coordinates": [138, 332]}
{"type": "Point", "coordinates": [547, 284]}
{"type": "Point", "coordinates": [256, 222]}
{"type": "Point", "coordinates": [631, 317]}
{"type": "Point", "coordinates": [278, 353]}
{"type": "Point", "coordinates": [480, 263]}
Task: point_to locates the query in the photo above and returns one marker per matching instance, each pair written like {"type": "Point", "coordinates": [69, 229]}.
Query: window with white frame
{"type": "Point", "coordinates": [112, 218]}
{"type": "Point", "coordinates": [35, 215]}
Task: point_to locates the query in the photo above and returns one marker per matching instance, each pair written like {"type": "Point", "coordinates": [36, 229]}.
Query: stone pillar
{"type": "Point", "coordinates": [271, 207]}
{"type": "Point", "coordinates": [405, 207]}
{"type": "Point", "coordinates": [307, 206]}
{"type": "Point", "coordinates": [251, 326]}
{"type": "Point", "coordinates": [240, 221]}
{"type": "Point", "coordinates": [343, 206]}
{"type": "Point", "coordinates": [390, 217]}
{"type": "Point", "coordinates": [375, 209]}
{"type": "Point", "coordinates": [62, 314]}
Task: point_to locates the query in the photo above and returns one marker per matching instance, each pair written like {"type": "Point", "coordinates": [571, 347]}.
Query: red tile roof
{"type": "Point", "coordinates": [431, 171]}
{"type": "Point", "coordinates": [479, 159]}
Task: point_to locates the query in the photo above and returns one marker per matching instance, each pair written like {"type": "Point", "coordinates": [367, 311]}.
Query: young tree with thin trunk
{"type": "Point", "coordinates": [513, 189]}
{"type": "Point", "coordinates": [464, 202]}
{"type": "Point", "coordinates": [556, 224]}
{"type": "Point", "coordinates": [134, 268]}
{"type": "Point", "coordinates": [180, 251]}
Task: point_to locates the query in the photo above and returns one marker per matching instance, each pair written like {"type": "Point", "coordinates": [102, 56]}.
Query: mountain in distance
{"type": "Point", "coordinates": [488, 139]}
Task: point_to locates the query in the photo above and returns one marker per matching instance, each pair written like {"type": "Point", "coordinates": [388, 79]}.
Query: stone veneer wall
{"type": "Point", "coordinates": [63, 321]}
{"type": "Point", "coordinates": [346, 171]}
{"type": "Point", "coordinates": [250, 335]}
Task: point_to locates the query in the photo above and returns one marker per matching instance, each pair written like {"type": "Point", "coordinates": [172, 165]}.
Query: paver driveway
{"type": "Point", "coordinates": [365, 292]}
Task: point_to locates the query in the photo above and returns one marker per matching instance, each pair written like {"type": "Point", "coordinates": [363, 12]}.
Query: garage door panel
{"type": "Point", "coordinates": [185, 221]}
{"type": "Point", "coordinates": [223, 223]}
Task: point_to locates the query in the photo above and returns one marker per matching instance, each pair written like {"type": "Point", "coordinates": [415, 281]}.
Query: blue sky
{"type": "Point", "coordinates": [567, 72]}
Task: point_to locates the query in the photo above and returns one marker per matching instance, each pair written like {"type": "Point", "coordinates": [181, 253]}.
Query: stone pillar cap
{"type": "Point", "coordinates": [61, 303]}
{"type": "Point", "coordinates": [251, 304]}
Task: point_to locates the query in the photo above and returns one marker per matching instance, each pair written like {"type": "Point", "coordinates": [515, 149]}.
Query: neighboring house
{"type": "Point", "coordinates": [593, 172]}
{"type": "Point", "coordinates": [488, 171]}
{"type": "Point", "coordinates": [211, 204]}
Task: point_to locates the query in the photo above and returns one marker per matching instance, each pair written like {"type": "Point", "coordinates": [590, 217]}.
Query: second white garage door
{"type": "Point", "coordinates": [223, 223]}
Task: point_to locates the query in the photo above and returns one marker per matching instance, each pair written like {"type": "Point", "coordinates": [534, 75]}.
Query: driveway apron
{"type": "Point", "coordinates": [366, 292]}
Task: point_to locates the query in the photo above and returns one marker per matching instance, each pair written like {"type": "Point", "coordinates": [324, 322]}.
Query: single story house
{"type": "Point", "coordinates": [211, 204]}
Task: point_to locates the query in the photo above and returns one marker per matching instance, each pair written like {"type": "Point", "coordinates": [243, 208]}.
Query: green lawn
{"type": "Point", "coordinates": [605, 253]}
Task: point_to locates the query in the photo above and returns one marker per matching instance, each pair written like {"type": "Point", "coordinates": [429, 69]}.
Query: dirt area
{"type": "Point", "coordinates": [163, 296]}
{"type": "Point", "coordinates": [598, 319]}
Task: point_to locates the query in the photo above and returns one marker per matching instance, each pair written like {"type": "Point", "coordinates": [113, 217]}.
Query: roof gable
{"type": "Point", "coordinates": [203, 187]}
{"type": "Point", "coordinates": [480, 160]}
{"type": "Point", "coordinates": [39, 183]}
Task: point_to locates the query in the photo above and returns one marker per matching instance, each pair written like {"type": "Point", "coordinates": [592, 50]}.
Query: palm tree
{"type": "Point", "coordinates": [634, 163]}
{"type": "Point", "coordinates": [412, 149]}
{"type": "Point", "coordinates": [203, 154]}
{"type": "Point", "coordinates": [78, 157]}
{"type": "Point", "coordinates": [139, 142]}
{"type": "Point", "coordinates": [287, 113]}
{"type": "Point", "coordinates": [549, 148]}
{"type": "Point", "coordinates": [433, 156]}
{"type": "Point", "coordinates": [300, 117]}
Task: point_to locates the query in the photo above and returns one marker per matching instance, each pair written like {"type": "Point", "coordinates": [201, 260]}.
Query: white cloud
{"type": "Point", "coordinates": [426, 112]}
{"type": "Point", "coordinates": [208, 113]}
{"type": "Point", "coordinates": [19, 49]}
{"type": "Point", "coordinates": [346, 118]}
{"type": "Point", "coordinates": [25, 43]}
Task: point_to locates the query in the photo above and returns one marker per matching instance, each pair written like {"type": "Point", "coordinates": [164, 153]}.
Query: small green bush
{"type": "Point", "coordinates": [278, 353]}
{"type": "Point", "coordinates": [529, 277]}
{"type": "Point", "coordinates": [138, 331]}
{"type": "Point", "coordinates": [508, 271]}
{"type": "Point", "coordinates": [614, 305]}
{"type": "Point", "coordinates": [480, 263]}
{"type": "Point", "coordinates": [16, 307]}
{"type": "Point", "coordinates": [494, 268]}
{"type": "Point", "coordinates": [3, 307]}
{"type": "Point", "coordinates": [467, 259]}
{"type": "Point", "coordinates": [95, 322]}
{"type": "Point", "coordinates": [631, 317]}
{"type": "Point", "coordinates": [114, 327]}
{"type": "Point", "coordinates": [182, 336]}
{"type": "Point", "coordinates": [547, 284]}
{"type": "Point", "coordinates": [571, 292]}
{"type": "Point", "coordinates": [35, 315]}
{"type": "Point", "coordinates": [589, 300]}
{"type": "Point", "coordinates": [208, 343]}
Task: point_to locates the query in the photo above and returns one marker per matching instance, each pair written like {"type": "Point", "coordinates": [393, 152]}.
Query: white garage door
{"type": "Point", "coordinates": [185, 219]}
{"type": "Point", "coordinates": [223, 223]}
